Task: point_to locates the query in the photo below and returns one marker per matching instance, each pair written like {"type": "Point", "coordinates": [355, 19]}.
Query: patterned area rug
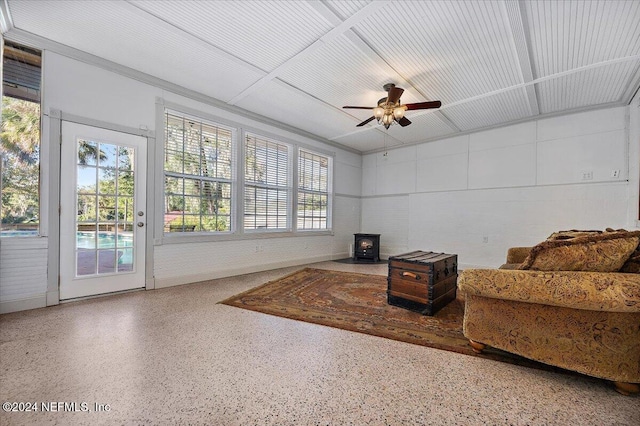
{"type": "Point", "coordinates": [358, 302]}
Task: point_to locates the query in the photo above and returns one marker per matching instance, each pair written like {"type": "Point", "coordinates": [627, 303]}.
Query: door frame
{"type": "Point", "coordinates": [54, 129]}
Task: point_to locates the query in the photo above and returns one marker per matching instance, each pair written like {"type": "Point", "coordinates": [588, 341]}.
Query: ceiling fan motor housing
{"type": "Point", "coordinates": [388, 86]}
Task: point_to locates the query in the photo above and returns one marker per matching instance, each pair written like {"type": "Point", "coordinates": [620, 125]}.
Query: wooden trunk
{"type": "Point", "coordinates": [422, 281]}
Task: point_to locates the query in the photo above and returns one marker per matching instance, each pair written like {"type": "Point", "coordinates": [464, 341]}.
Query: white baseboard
{"type": "Point", "coordinates": [230, 272]}
{"type": "Point", "coordinates": [338, 256]}
{"type": "Point", "coordinates": [39, 301]}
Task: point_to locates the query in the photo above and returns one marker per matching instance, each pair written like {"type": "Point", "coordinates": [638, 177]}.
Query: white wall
{"type": "Point", "coordinates": [87, 91]}
{"type": "Point", "coordinates": [479, 194]}
{"type": "Point", "coordinates": [633, 210]}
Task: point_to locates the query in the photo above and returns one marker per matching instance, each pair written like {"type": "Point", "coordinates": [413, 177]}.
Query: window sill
{"type": "Point", "coordinates": [186, 238]}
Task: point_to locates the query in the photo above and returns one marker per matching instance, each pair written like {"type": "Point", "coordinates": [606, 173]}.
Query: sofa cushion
{"type": "Point", "coordinates": [597, 252]}
{"type": "Point", "coordinates": [574, 233]}
{"type": "Point", "coordinates": [632, 265]}
{"type": "Point", "coordinates": [517, 255]}
{"type": "Point", "coordinates": [510, 266]}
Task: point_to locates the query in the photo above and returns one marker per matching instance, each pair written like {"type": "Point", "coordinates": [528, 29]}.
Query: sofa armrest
{"type": "Point", "coordinates": [517, 254]}
{"type": "Point", "coordinates": [597, 291]}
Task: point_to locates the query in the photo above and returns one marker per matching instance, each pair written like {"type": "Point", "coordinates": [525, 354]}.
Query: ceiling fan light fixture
{"type": "Point", "coordinates": [387, 120]}
{"type": "Point", "coordinates": [378, 113]}
{"type": "Point", "coordinates": [398, 113]}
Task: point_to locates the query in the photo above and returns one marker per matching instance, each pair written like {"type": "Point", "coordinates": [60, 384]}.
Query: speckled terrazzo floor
{"type": "Point", "coordinates": [175, 356]}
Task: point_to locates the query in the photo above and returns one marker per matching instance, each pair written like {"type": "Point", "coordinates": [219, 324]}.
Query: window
{"type": "Point", "coordinates": [20, 154]}
{"type": "Point", "coordinates": [314, 185]}
{"type": "Point", "coordinates": [198, 174]}
{"type": "Point", "coordinates": [267, 184]}
{"type": "Point", "coordinates": [273, 187]}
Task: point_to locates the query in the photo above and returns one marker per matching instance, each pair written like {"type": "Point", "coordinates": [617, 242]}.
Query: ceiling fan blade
{"type": "Point", "coordinates": [394, 94]}
{"type": "Point", "coordinates": [357, 107]}
{"type": "Point", "coordinates": [424, 105]}
{"type": "Point", "coordinates": [365, 121]}
{"type": "Point", "coordinates": [404, 121]}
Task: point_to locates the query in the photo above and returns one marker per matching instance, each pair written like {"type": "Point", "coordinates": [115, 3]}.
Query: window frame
{"type": "Point", "coordinates": [328, 193]}
{"type": "Point", "coordinates": [237, 193]}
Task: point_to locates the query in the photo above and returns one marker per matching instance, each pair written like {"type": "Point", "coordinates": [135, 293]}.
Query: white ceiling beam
{"type": "Point", "coordinates": [632, 86]}
{"type": "Point", "coordinates": [514, 13]}
{"type": "Point", "coordinates": [443, 117]}
{"type": "Point", "coordinates": [337, 31]}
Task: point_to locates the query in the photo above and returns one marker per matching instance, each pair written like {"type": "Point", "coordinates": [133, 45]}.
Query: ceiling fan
{"type": "Point", "coordinates": [390, 110]}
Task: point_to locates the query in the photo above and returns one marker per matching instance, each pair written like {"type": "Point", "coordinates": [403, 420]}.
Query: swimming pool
{"type": "Point", "coordinates": [104, 240]}
{"type": "Point", "coordinates": [19, 233]}
{"type": "Point", "coordinates": [89, 240]}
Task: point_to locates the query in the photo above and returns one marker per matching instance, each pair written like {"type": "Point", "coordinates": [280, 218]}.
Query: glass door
{"type": "Point", "coordinates": [102, 212]}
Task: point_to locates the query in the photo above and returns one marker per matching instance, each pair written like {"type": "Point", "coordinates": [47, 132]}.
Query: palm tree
{"type": "Point", "coordinates": [19, 165]}
{"type": "Point", "coordinates": [20, 129]}
{"type": "Point", "coordinates": [89, 151]}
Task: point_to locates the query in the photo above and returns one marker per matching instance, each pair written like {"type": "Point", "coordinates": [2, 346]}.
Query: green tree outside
{"type": "Point", "coordinates": [20, 164]}
{"type": "Point", "coordinates": [196, 156]}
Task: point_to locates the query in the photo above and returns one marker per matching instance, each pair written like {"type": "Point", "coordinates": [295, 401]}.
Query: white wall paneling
{"type": "Point", "coordinates": [585, 123]}
{"type": "Point", "coordinates": [583, 158]}
{"type": "Point", "coordinates": [460, 222]}
{"type": "Point", "coordinates": [192, 262]}
{"type": "Point", "coordinates": [443, 165]}
{"type": "Point", "coordinates": [510, 166]}
{"type": "Point", "coordinates": [445, 173]}
{"type": "Point", "coordinates": [348, 209]}
{"type": "Point", "coordinates": [23, 273]}
{"type": "Point", "coordinates": [481, 193]}
{"type": "Point", "coordinates": [387, 216]}
{"type": "Point", "coordinates": [633, 213]}
{"type": "Point", "coordinates": [348, 174]}
{"type": "Point", "coordinates": [395, 171]}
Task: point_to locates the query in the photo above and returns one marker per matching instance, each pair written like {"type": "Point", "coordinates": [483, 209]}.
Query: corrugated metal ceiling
{"type": "Point", "coordinates": [299, 62]}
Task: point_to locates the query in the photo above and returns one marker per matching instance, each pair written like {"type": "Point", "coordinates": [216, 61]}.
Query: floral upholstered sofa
{"type": "Point", "coordinates": [572, 301]}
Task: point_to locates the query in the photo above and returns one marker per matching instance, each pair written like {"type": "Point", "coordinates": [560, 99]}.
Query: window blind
{"type": "Point", "coordinates": [198, 169]}
{"type": "Point", "coordinates": [313, 191]}
{"type": "Point", "coordinates": [267, 184]}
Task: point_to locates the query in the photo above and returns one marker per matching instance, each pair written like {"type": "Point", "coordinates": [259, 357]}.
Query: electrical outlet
{"type": "Point", "coordinates": [615, 173]}
{"type": "Point", "coordinates": [587, 175]}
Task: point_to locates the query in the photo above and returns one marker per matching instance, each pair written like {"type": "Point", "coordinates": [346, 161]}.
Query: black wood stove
{"type": "Point", "coordinates": [367, 247]}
